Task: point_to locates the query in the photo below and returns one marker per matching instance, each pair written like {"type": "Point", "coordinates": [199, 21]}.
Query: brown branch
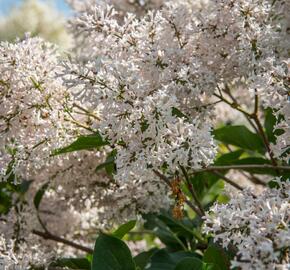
{"type": "Point", "coordinates": [231, 182]}
{"type": "Point", "coordinates": [253, 178]}
{"type": "Point", "coordinates": [265, 140]}
{"type": "Point", "coordinates": [253, 116]}
{"type": "Point", "coordinates": [50, 236]}
{"type": "Point", "coordinates": [233, 105]}
{"type": "Point", "coordinates": [192, 191]}
{"type": "Point", "coordinates": [162, 177]}
{"type": "Point", "coordinates": [228, 180]}
{"type": "Point", "coordinates": [256, 103]}
{"type": "Point", "coordinates": [242, 167]}
{"type": "Point", "coordinates": [237, 107]}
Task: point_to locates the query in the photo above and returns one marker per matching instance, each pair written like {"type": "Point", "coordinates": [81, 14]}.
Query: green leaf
{"type": "Point", "coordinates": [39, 195]}
{"type": "Point", "coordinates": [144, 125]}
{"type": "Point", "coordinates": [33, 267]}
{"type": "Point", "coordinates": [217, 257]}
{"type": "Point", "coordinates": [228, 158]}
{"type": "Point", "coordinates": [208, 266]}
{"type": "Point", "coordinates": [109, 165]}
{"type": "Point", "coordinates": [5, 202]}
{"type": "Point", "coordinates": [176, 112]}
{"type": "Point", "coordinates": [269, 124]}
{"type": "Point", "coordinates": [89, 257]}
{"type": "Point", "coordinates": [203, 182]}
{"type": "Point", "coordinates": [72, 263]}
{"type": "Point", "coordinates": [240, 136]}
{"type": "Point", "coordinates": [111, 253]}
{"type": "Point", "coordinates": [189, 264]}
{"type": "Point", "coordinates": [24, 186]}
{"type": "Point", "coordinates": [124, 229]}
{"type": "Point", "coordinates": [10, 192]}
{"type": "Point", "coordinates": [10, 176]}
{"type": "Point", "coordinates": [163, 260]}
{"type": "Point", "coordinates": [83, 143]}
{"type": "Point", "coordinates": [171, 232]}
{"type": "Point", "coordinates": [141, 260]}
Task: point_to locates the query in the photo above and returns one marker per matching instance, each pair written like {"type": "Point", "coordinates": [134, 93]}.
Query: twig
{"type": "Point", "coordinates": [242, 167]}
{"type": "Point", "coordinates": [253, 116]}
{"type": "Point", "coordinates": [265, 140]}
{"type": "Point", "coordinates": [80, 124]}
{"type": "Point", "coordinates": [233, 105]}
{"type": "Point", "coordinates": [194, 208]}
{"type": "Point", "coordinates": [205, 105]}
{"type": "Point", "coordinates": [228, 91]}
{"type": "Point", "coordinates": [226, 179]}
{"type": "Point", "coordinates": [87, 111]}
{"type": "Point", "coordinates": [256, 103]}
{"type": "Point", "coordinates": [229, 181]}
{"type": "Point", "coordinates": [162, 177]}
{"type": "Point", "coordinates": [253, 178]}
{"type": "Point", "coordinates": [50, 236]}
{"type": "Point", "coordinates": [192, 191]}
{"type": "Point", "coordinates": [236, 106]}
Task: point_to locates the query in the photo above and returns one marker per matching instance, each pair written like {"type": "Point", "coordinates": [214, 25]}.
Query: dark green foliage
{"type": "Point", "coordinates": [240, 136]}
{"type": "Point", "coordinates": [163, 260]}
{"type": "Point", "coordinates": [217, 257]}
{"type": "Point", "coordinates": [142, 259]}
{"type": "Point", "coordinates": [72, 263]}
{"type": "Point", "coordinates": [111, 253]}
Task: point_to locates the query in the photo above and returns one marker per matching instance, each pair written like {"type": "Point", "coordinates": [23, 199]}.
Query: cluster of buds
{"type": "Point", "coordinates": [177, 193]}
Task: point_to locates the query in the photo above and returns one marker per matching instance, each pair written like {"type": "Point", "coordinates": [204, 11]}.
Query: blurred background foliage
{"type": "Point", "coordinates": [39, 18]}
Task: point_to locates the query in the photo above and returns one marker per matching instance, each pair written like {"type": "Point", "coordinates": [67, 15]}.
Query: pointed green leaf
{"type": "Point", "coordinates": [217, 257]}
{"type": "Point", "coordinates": [189, 264]}
{"type": "Point", "coordinates": [240, 136]}
{"type": "Point", "coordinates": [111, 253]}
{"type": "Point", "coordinates": [124, 229]}
{"type": "Point", "coordinates": [88, 142]}
{"type": "Point", "coordinates": [109, 165]}
{"type": "Point", "coordinates": [141, 260]}
{"type": "Point", "coordinates": [228, 158]}
{"type": "Point", "coordinates": [39, 195]}
{"type": "Point", "coordinates": [269, 124]}
{"type": "Point", "coordinates": [176, 112]}
{"type": "Point", "coordinates": [163, 260]}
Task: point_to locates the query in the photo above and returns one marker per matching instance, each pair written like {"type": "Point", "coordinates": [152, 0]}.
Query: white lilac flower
{"type": "Point", "coordinates": [22, 257]}
{"type": "Point", "coordinates": [146, 76]}
{"type": "Point", "coordinates": [257, 226]}
{"type": "Point", "coordinates": [141, 80]}
{"type": "Point", "coordinates": [32, 103]}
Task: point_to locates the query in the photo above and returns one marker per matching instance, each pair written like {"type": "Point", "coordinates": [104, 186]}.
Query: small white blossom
{"type": "Point", "coordinates": [257, 226]}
